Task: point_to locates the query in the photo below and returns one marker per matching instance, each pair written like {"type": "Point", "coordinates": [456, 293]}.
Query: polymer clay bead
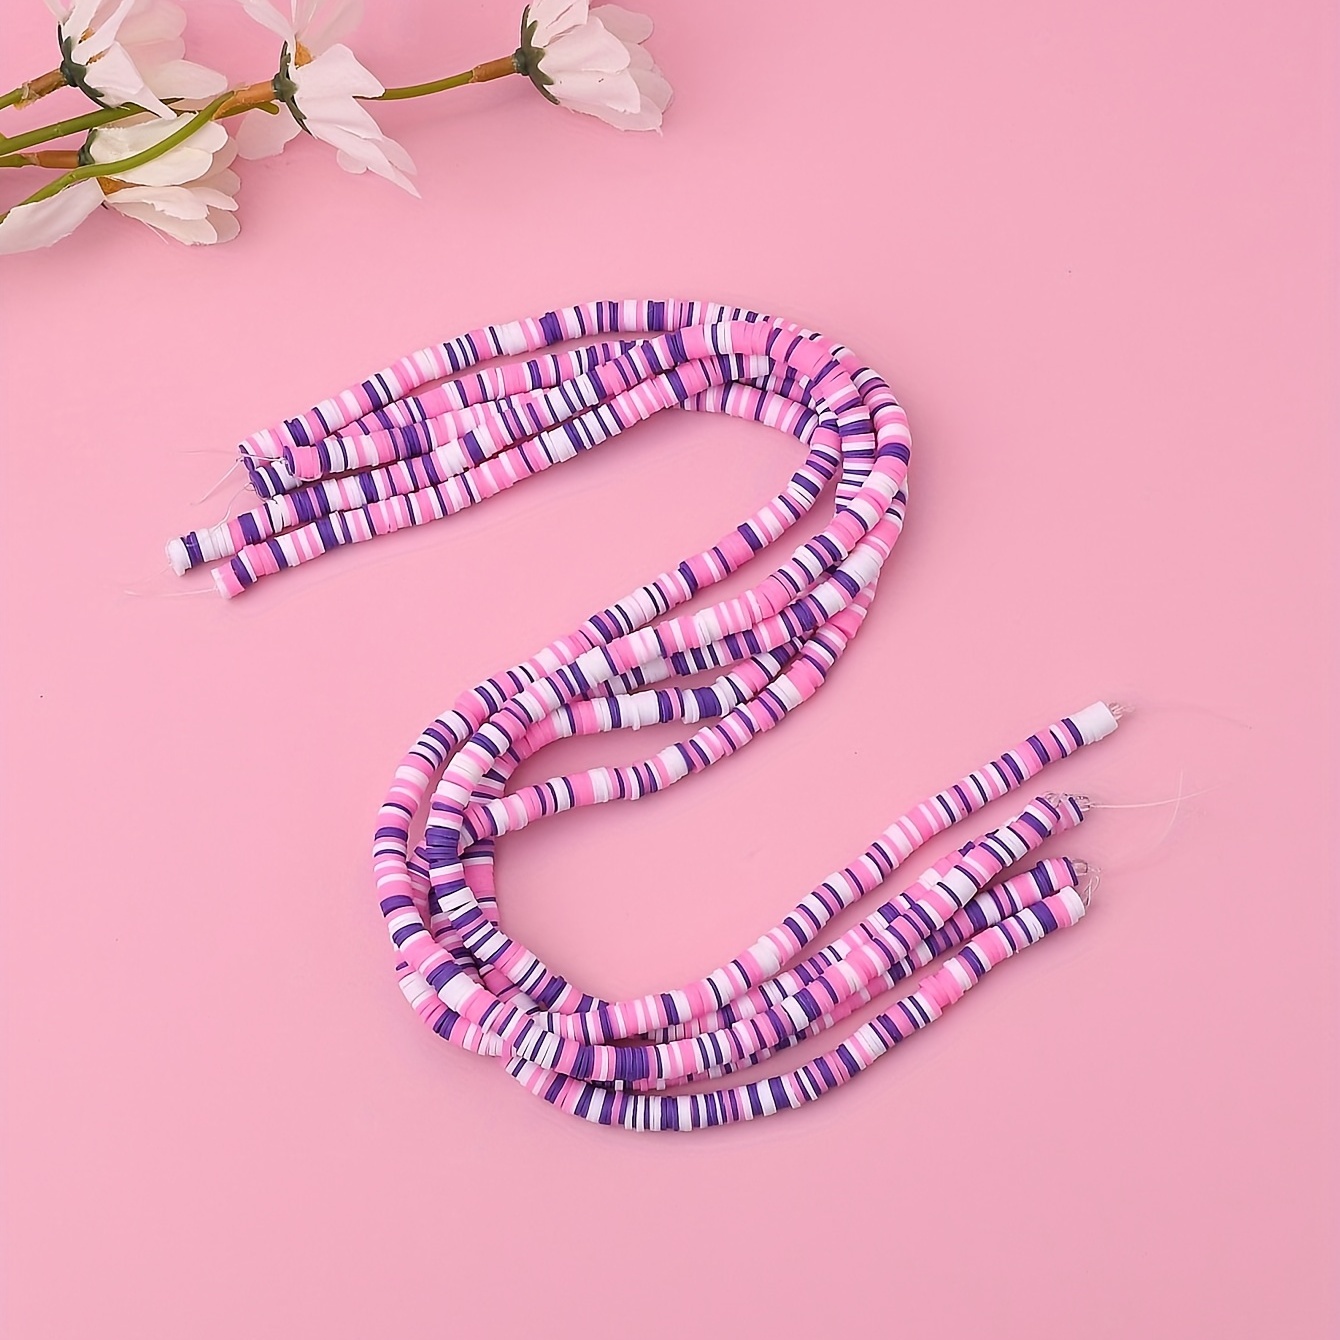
{"type": "Point", "coordinates": [448, 427]}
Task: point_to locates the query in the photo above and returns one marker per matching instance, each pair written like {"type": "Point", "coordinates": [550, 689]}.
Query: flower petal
{"type": "Point", "coordinates": [177, 167]}
{"type": "Point", "coordinates": [80, 17]}
{"type": "Point", "coordinates": [356, 155]}
{"type": "Point", "coordinates": [153, 21]}
{"type": "Point", "coordinates": [630, 28]}
{"type": "Point", "coordinates": [183, 79]}
{"type": "Point", "coordinates": [117, 81]}
{"type": "Point", "coordinates": [185, 162]}
{"type": "Point", "coordinates": [269, 17]}
{"type": "Point", "coordinates": [225, 225]}
{"type": "Point", "coordinates": [214, 199]}
{"type": "Point", "coordinates": [264, 134]}
{"type": "Point", "coordinates": [178, 202]}
{"type": "Point", "coordinates": [99, 33]}
{"type": "Point", "coordinates": [218, 189]}
{"type": "Point", "coordinates": [122, 140]}
{"type": "Point", "coordinates": [554, 17]}
{"type": "Point", "coordinates": [336, 72]}
{"type": "Point", "coordinates": [29, 227]}
{"type": "Point", "coordinates": [656, 94]}
{"type": "Point", "coordinates": [329, 22]}
{"type": "Point", "coordinates": [324, 115]}
{"type": "Point", "coordinates": [592, 47]}
{"type": "Point", "coordinates": [188, 229]}
{"type": "Point", "coordinates": [585, 90]}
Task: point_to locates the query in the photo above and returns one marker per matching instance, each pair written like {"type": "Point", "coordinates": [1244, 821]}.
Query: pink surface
{"type": "Point", "coordinates": [1092, 251]}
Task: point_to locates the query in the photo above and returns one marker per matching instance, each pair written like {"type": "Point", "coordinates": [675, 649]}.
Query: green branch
{"type": "Point", "coordinates": [422, 90]}
{"type": "Point", "coordinates": [70, 126]}
{"type": "Point", "coordinates": [494, 69]}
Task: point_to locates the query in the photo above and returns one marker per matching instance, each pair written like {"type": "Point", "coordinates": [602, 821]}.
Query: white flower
{"type": "Point", "coordinates": [318, 87]}
{"type": "Point", "coordinates": [130, 51]}
{"type": "Point", "coordinates": [594, 62]}
{"type": "Point", "coordinates": [187, 192]}
{"type": "Point", "coordinates": [29, 227]}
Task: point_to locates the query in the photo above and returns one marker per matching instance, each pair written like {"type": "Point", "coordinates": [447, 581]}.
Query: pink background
{"type": "Point", "coordinates": [1091, 247]}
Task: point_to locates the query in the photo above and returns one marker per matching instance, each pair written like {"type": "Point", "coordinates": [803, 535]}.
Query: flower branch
{"type": "Point", "coordinates": [121, 166]}
{"type": "Point", "coordinates": [127, 55]}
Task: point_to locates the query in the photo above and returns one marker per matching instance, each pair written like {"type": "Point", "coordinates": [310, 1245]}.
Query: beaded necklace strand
{"type": "Point", "coordinates": [439, 431]}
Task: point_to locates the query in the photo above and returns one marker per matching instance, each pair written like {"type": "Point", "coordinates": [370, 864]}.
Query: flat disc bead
{"type": "Point", "coordinates": [453, 425]}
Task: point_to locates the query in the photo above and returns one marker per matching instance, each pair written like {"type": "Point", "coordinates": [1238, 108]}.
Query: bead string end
{"type": "Point", "coordinates": [1091, 883]}
{"type": "Point", "coordinates": [1059, 798]}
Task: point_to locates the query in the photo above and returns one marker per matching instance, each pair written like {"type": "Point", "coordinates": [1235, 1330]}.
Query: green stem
{"type": "Point", "coordinates": [74, 125]}
{"type": "Point", "coordinates": [70, 126]}
{"type": "Point", "coordinates": [494, 69]}
{"type": "Point", "coordinates": [135, 160]}
{"type": "Point", "coordinates": [33, 89]}
{"type": "Point", "coordinates": [420, 90]}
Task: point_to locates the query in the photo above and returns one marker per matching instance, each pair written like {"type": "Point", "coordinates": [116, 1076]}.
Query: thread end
{"type": "Point", "coordinates": [1095, 722]}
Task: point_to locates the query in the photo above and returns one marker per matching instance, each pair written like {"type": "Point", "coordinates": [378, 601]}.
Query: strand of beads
{"type": "Point", "coordinates": [451, 425]}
